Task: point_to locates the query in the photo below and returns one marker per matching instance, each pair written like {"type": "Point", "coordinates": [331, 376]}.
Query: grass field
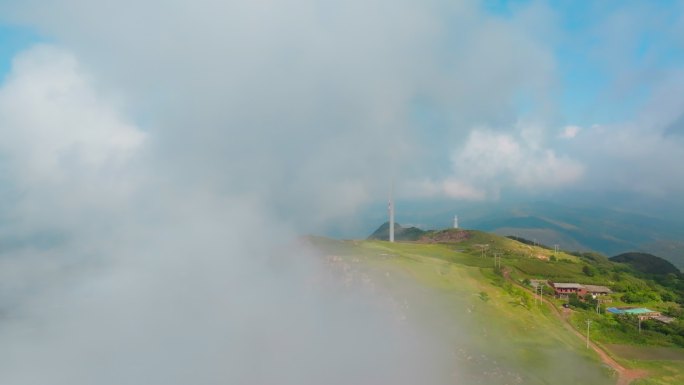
{"type": "Point", "coordinates": [498, 334]}
{"type": "Point", "coordinates": [497, 337]}
{"type": "Point", "coordinates": [647, 353]}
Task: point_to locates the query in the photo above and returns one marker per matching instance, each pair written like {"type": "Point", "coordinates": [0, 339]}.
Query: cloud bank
{"type": "Point", "coordinates": [112, 274]}
{"type": "Point", "coordinates": [162, 158]}
{"type": "Point", "coordinates": [159, 158]}
{"type": "Point", "coordinates": [492, 161]}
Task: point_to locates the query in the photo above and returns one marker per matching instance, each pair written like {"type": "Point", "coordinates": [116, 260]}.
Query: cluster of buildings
{"type": "Point", "coordinates": [563, 290]}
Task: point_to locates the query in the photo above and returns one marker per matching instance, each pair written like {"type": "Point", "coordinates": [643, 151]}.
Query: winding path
{"type": "Point", "coordinates": [625, 376]}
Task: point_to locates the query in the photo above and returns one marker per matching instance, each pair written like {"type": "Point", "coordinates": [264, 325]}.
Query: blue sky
{"type": "Point", "coordinates": [588, 80]}
{"type": "Point", "coordinates": [14, 39]}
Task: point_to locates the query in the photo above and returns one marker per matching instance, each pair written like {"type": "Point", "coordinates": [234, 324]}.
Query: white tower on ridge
{"type": "Point", "coordinates": [390, 208]}
{"type": "Point", "coordinates": [455, 221]}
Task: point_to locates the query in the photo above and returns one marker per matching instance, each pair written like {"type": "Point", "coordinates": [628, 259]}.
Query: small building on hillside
{"type": "Point", "coordinates": [597, 291]}
{"type": "Point", "coordinates": [563, 290]}
{"type": "Point", "coordinates": [664, 319]}
{"type": "Point", "coordinates": [641, 312]}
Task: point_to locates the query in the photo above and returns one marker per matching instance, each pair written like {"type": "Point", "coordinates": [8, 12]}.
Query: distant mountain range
{"type": "Point", "coordinates": [604, 230]}
{"type": "Point", "coordinates": [609, 231]}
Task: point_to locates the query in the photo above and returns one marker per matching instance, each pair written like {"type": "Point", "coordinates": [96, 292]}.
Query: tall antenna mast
{"type": "Point", "coordinates": [391, 214]}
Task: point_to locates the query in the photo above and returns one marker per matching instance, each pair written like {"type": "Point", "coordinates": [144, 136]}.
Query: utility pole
{"type": "Point", "coordinates": [483, 250]}
{"type": "Point", "coordinates": [588, 324]}
{"type": "Point", "coordinates": [497, 259]}
{"type": "Point", "coordinates": [555, 250]}
{"type": "Point", "coordinates": [390, 208]}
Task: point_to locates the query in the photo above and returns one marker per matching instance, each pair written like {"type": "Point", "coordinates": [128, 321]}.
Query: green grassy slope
{"type": "Point", "coordinates": [503, 324]}
{"type": "Point", "coordinates": [498, 335]}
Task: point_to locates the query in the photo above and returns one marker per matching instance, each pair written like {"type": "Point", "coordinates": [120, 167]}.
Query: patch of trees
{"type": "Point", "coordinates": [586, 303]}
{"type": "Point", "coordinates": [652, 329]}
{"type": "Point", "coordinates": [640, 297]}
{"type": "Point", "coordinates": [647, 288]}
{"type": "Point", "coordinates": [589, 271]}
{"type": "Point", "coordinates": [527, 242]}
{"type": "Point", "coordinates": [647, 263]}
{"type": "Point", "coordinates": [592, 258]}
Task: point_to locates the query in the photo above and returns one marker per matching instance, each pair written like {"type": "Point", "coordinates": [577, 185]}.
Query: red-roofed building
{"type": "Point", "coordinates": [563, 290]}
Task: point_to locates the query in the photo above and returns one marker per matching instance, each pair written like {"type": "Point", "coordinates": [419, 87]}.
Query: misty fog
{"type": "Point", "coordinates": [159, 161]}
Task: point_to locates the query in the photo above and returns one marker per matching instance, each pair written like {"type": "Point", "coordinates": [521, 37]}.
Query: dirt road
{"type": "Point", "coordinates": [625, 376]}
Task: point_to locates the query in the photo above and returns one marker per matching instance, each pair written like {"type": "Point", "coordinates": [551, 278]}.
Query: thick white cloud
{"type": "Point", "coordinates": [638, 155]}
{"type": "Point", "coordinates": [51, 116]}
{"type": "Point", "coordinates": [309, 105]}
{"type": "Point", "coordinates": [570, 132]}
{"type": "Point", "coordinates": [147, 280]}
{"type": "Point", "coordinates": [66, 149]}
{"type": "Point", "coordinates": [492, 161]}
{"type": "Point", "coordinates": [170, 204]}
{"type": "Point", "coordinates": [67, 164]}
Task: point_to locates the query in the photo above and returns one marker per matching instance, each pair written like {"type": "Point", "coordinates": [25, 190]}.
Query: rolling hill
{"type": "Point", "coordinates": [647, 263]}
{"type": "Point", "coordinates": [610, 226]}
{"type": "Point", "coordinates": [605, 230]}
{"type": "Point", "coordinates": [400, 233]}
{"type": "Point", "coordinates": [500, 333]}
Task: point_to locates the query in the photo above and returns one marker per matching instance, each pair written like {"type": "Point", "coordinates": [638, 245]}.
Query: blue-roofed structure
{"type": "Point", "coordinates": [641, 312]}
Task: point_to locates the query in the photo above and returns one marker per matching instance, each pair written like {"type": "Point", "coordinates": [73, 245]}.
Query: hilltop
{"type": "Point", "coordinates": [400, 233]}
{"type": "Point", "coordinates": [647, 263]}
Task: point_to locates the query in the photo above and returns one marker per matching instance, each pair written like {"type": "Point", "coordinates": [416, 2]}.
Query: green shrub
{"type": "Point", "coordinates": [588, 271]}
{"type": "Point", "coordinates": [640, 296]}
